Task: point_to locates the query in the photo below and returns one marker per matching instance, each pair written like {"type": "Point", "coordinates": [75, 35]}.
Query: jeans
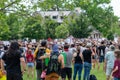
{"type": "Point", "coordinates": [116, 78]}
{"type": "Point", "coordinates": [77, 68]}
{"type": "Point", "coordinates": [87, 68]}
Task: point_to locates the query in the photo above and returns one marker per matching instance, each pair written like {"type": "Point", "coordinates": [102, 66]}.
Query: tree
{"type": "Point", "coordinates": [15, 25]}
{"type": "Point", "coordinates": [11, 19]}
{"type": "Point", "coordinates": [100, 16]}
{"type": "Point", "coordinates": [50, 26]}
{"type": "Point", "coordinates": [16, 18]}
{"type": "Point", "coordinates": [33, 28]}
{"type": "Point", "coordinates": [99, 12]}
{"type": "Point", "coordinates": [4, 28]}
{"type": "Point", "coordinates": [56, 5]}
{"type": "Point", "coordinates": [78, 26]}
{"type": "Point", "coordinates": [61, 31]}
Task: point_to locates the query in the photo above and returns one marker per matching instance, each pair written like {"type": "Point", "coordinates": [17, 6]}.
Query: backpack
{"type": "Point", "coordinates": [92, 77]}
{"type": "Point", "coordinates": [40, 63]}
{"type": "Point", "coordinates": [53, 65]}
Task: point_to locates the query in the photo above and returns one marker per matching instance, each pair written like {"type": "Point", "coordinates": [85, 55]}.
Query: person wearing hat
{"type": "Point", "coordinates": [109, 61]}
{"type": "Point", "coordinates": [53, 73]}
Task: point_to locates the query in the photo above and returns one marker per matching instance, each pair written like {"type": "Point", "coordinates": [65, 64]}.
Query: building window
{"type": "Point", "coordinates": [62, 17]}
{"type": "Point", "coordinates": [54, 17]}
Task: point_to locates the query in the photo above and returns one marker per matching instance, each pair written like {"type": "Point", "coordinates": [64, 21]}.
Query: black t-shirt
{"type": "Point", "coordinates": [78, 59]}
{"type": "Point", "coordinates": [101, 50]}
{"type": "Point", "coordinates": [87, 55]}
{"type": "Point", "coordinates": [13, 62]}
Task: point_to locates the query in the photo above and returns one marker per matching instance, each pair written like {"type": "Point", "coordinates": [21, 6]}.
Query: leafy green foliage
{"type": "Point", "coordinates": [101, 17]}
{"type": "Point", "coordinates": [62, 31]}
{"type": "Point", "coordinates": [50, 27]}
{"type": "Point", "coordinates": [78, 26]}
{"type": "Point", "coordinates": [4, 28]}
{"type": "Point", "coordinates": [33, 28]}
{"type": "Point", "coordinates": [56, 5]}
{"type": "Point", "coordinates": [110, 36]}
{"type": "Point", "coordinates": [18, 20]}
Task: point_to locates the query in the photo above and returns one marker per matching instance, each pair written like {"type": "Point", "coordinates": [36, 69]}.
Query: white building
{"type": "Point", "coordinates": [95, 35]}
{"type": "Point", "coordinates": [57, 15]}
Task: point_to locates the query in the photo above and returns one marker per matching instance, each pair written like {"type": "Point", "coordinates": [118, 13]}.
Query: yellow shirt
{"type": "Point", "coordinates": [48, 51]}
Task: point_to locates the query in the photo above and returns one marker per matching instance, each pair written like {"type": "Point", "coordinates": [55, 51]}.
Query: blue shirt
{"type": "Point", "coordinates": [110, 58]}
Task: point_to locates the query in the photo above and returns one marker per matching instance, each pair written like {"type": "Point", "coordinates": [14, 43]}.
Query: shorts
{"type": "Point", "coordinates": [108, 71]}
{"type": "Point", "coordinates": [101, 59]}
{"type": "Point", "coordinates": [95, 57]}
{"type": "Point", "coordinates": [66, 72]}
{"type": "Point", "coordinates": [30, 64]}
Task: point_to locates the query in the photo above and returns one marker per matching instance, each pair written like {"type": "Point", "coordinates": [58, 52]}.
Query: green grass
{"type": "Point", "coordinates": [100, 74]}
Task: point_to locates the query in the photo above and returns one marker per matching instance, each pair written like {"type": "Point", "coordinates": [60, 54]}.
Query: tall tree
{"type": "Point", "coordinates": [50, 26]}
{"type": "Point", "coordinates": [33, 28]}
{"type": "Point", "coordinates": [100, 14]}
{"type": "Point", "coordinates": [61, 31]}
{"type": "Point", "coordinates": [79, 26]}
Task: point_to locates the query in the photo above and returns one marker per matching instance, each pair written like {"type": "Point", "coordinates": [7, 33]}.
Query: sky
{"type": "Point", "coordinates": [116, 7]}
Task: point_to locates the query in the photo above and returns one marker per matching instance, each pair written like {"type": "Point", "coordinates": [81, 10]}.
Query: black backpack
{"type": "Point", "coordinates": [40, 64]}
{"type": "Point", "coordinates": [53, 65]}
{"type": "Point", "coordinates": [92, 77]}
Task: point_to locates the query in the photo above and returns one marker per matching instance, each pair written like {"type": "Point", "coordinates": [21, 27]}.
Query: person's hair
{"type": "Point", "coordinates": [14, 47]}
{"type": "Point", "coordinates": [102, 42]}
{"type": "Point", "coordinates": [78, 49]}
{"type": "Point", "coordinates": [66, 46]}
{"type": "Point", "coordinates": [44, 43]}
{"type": "Point", "coordinates": [112, 47]}
{"type": "Point", "coordinates": [117, 52]}
{"type": "Point", "coordinates": [72, 45]}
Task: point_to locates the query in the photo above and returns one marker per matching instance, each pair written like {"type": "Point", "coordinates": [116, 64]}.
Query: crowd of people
{"type": "Point", "coordinates": [54, 60]}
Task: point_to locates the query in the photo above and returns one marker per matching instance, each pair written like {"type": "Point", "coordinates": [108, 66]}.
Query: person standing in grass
{"type": "Point", "coordinates": [67, 70]}
{"type": "Point", "coordinates": [30, 62]}
{"type": "Point", "coordinates": [55, 64]}
{"type": "Point", "coordinates": [101, 53]}
{"type": "Point", "coordinates": [109, 62]}
{"type": "Point", "coordinates": [87, 54]}
{"type": "Point", "coordinates": [116, 69]}
{"type": "Point", "coordinates": [14, 60]}
{"type": "Point", "coordinates": [78, 64]}
{"type": "Point", "coordinates": [39, 56]}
